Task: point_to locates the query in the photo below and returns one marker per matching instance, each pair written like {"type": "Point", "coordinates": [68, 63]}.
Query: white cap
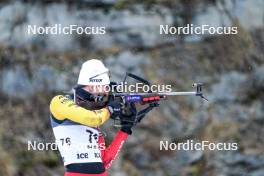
{"type": "Point", "coordinates": [93, 72]}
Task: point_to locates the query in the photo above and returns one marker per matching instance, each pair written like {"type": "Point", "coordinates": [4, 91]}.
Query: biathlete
{"type": "Point", "coordinates": [76, 118]}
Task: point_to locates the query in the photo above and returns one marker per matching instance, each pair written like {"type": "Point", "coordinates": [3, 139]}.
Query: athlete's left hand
{"type": "Point", "coordinates": [128, 117]}
{"type": "Point", "coordinates": [114, 108]}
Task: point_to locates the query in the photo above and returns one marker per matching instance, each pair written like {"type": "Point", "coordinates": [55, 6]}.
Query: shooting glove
{"type": "Point", "coordinates": [114, 108]}
{"type": "Point", "coordinates": [128, 117]}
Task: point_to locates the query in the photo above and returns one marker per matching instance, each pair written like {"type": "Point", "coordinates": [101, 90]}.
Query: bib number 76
{"type": "Point", "coordinates": [65, 141]}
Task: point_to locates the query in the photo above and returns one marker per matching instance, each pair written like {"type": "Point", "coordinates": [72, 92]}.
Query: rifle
{"type": "Point", "coordinates": [149, 98]}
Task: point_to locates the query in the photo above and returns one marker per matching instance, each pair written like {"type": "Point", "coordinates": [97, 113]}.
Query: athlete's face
{"type": "Point", "coordinates": [98, 97]}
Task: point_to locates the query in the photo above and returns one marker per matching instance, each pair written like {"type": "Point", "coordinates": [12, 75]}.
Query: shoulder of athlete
{"type": "Point", "coordinates": [58, 104]}
{"type": "Point", "coordinates": [63, 107]}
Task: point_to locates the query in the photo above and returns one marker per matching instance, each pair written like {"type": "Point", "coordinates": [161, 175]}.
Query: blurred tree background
{"type": "Point", "coordinates": [34, 68]}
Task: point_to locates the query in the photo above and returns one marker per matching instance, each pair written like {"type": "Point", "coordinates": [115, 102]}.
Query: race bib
{"type": "Point", "coordinates": [77, 144]}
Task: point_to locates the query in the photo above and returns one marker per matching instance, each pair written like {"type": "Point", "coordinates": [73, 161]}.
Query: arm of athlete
{"type": "Point", "coordinates": [110, 153]}
{"type": "Point", "coordinates": [63, 108]}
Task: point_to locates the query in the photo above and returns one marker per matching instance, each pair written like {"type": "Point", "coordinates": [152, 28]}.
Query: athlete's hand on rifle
{"type": "Point", "coordinates": [114, 108]}
{"type": "Point", "coordinates": [128, 117]}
